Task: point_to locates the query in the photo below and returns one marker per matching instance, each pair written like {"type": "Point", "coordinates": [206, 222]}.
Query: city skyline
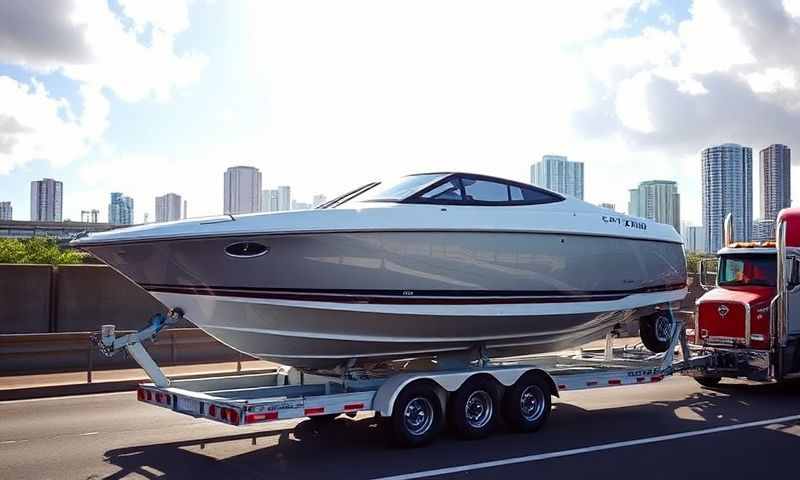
{"type": "Point", "coordinates": [120, 209]}
{"type": "Point", "coordinates": [640, 89]}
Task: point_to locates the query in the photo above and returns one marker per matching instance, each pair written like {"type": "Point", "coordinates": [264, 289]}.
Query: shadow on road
{"type": "Point", "coordinates": [358, 448]}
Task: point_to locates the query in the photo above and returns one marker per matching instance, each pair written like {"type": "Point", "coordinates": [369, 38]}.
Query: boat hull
{"type": "Point", "coordinates": [319, 335]}
{"type": "Point", "coordinates": [320, 300]}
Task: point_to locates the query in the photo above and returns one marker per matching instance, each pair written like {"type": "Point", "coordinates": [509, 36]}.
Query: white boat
{"type": "Point", "coordinates": [419, 266]}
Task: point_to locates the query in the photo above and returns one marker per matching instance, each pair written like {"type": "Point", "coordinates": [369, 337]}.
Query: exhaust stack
{"type": "Point", "coordinates": [727, 231]}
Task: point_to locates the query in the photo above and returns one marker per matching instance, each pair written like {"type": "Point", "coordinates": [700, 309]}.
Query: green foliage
{"type": "Point", "coordinates": [693, 262]}
{"type": "Point", "coordinates": [37, 250]}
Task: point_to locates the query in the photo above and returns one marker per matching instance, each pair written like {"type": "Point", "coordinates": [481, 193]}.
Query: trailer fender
{"type": "Point", "coordinates": [388, 392]}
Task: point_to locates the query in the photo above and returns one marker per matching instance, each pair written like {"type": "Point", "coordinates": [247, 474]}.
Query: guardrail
{"type": "Point", "coordinates": [74, 352]}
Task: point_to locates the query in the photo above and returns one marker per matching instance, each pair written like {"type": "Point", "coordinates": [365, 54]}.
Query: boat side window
{"type": "Point", "coordinates": [449, 191]}
{"type": "Point", "coordinates": [477, 190]}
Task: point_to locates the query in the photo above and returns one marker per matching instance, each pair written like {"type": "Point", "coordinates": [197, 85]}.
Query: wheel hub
{"type": "Point", "coordinates": [663, 328]}
{"type": "Point", "coordinates": [531, 403]}
{"type": "Point", "coordinates": [479, 409]}
{"type": "Point", "coordinates": [418, 416]}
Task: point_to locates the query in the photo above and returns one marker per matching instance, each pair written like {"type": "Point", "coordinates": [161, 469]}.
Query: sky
{"type": "Point", "coordinates": [148, 97]}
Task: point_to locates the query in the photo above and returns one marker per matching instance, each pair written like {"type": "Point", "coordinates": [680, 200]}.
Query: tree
{"type": "Point", "coordinates": [38, 250]}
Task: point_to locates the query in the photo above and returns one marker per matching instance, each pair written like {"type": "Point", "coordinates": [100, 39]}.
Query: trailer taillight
{"type": "Point", "coordinates": [140, 395]}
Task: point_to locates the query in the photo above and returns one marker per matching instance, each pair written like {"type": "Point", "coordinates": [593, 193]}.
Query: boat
{"type": "Point", "coordinates": [426, 265]}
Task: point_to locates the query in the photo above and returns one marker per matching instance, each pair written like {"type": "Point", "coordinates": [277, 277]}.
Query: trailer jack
{"type": "Point", "coordinates": [108, 343]}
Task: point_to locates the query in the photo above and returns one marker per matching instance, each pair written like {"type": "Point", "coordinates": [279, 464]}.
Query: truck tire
{"type": "Point", "coordinates": [527, 404]}
{"type": "Point", "coordinates": [416, 416]}
{"type": "Point", "coordinates": [708, 381]}
{"type": "Point", "coordinates": [655, 331]}
{"type": "Point", "coordinates": [473, 408]}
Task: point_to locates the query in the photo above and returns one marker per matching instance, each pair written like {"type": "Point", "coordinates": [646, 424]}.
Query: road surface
{"type": "Point", "coordinates": [666, 430]}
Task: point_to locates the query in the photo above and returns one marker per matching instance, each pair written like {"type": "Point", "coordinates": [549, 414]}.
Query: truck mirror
{"type": "Point", "coordinates": [708, 278]}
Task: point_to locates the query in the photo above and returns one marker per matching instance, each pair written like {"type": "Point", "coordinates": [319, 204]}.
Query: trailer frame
{"type": "Point", "coordinates": [286, 393]}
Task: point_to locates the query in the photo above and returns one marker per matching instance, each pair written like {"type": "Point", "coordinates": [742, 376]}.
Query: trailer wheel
{"type": "Point", "coordinates": [473, 408]}
{"type": "Point", "coordinates": [708, 380]}
{"type": "Point", "coordinates": [417, 416]}
{"type": "Point", "coordinates": [655, 331]}
{"type": "Point", "coordinates": [527, 404]}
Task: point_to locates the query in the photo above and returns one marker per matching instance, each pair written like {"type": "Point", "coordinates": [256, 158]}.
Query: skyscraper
{"type": "Point", "coordinates": [763, 230]}
{"type": "Point", "coordinates": [727, 180]}
{"type": "Point", "coordinates": [120, 210]}
{"type": "Point", "coordinates": [242, 190]}
{"type": "Point", "coordinates": [269, 200]}
{"type": "Point", "coordinates": [284, 198]}
{"type": "Point", "coordinates": [168, 208]}
{"type": "Point", "coordinates": [657, 200]}
{"type": "Point", "coordinates": [694, 236]}
{"type": "Point", "coordinates": [775, 173]}
{"type": "Point", "coordinates": [608, 206]}
{"type": "Point", "coordinates": [46, 200]}
{"type": "Point", "coordinates": [556, 173]}
{"type": "Point", "coordinates": [6, 212]}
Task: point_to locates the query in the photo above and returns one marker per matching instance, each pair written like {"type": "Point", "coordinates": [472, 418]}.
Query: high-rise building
{"type": "Point", "coordinates": [269, 200]}
{"type": "Point", "coordinates": [609, 206]}
{"type": "Point", "coordinates": [775, 174]}
{"type": "Point", "coordinates": [319, 200]}
{"type": "Point", "coordinates": [185, 209]}
{"type": "Point", "coordinates": [120, 210]}
{"type": "Point", "coordinates": [556, 173]}
{"type": "Point", "coordinates": [763, 230]}
{"type": "Point", "coordinates": [657, 200]}
{"type": "Point", "coordinates": [300, 205]}
{"type": "Point", "coordinates": [727, 180]}
{"type": "Point", "coordinates": [284, 198]}
{"type": "Point", "coordinates": [694, 238]}
{"type": "Point", "coordinates": [6, 212]}
{"type": "Point", "coordinates": [242, 190]}
{"type": "Point", "coordinates": [47, 197]}
{"type": "Point", "coordinates": [168, 208]}
{"type": "Point", "coordinates": [90, 216]}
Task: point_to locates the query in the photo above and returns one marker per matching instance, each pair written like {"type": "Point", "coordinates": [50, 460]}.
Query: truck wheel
{"type": "Point", "coordinates": [708, 381]}
{"type": "Point", "coordinates": [526, 405]}
{"type": "Point", "coordinates": [473, 409]}
{"type": "Point", "coordinates": [417, 416]}
{"type": "Point", "coordinates": [656, 330]}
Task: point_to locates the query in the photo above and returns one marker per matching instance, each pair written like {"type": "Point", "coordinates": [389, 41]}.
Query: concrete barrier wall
{"type": "Point", "coordinates": [71, 298]}
{"type": "Point", "coordinates": [91, 295]}
{"type": "Point", "coordinates": [25, 298]}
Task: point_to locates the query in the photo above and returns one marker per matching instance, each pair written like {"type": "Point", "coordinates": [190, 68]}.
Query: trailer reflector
{"type": "Point", "coordinates": [140, 395]}
{"type": "Point", "coordinates": [212, 410]}
{"type": "Point", "coordinates": [260, 417]}
{"type": "Point", "coordinates": [656, 378]}
{"type": "Point", "coordinates": [615, 381]}
{"type": "Point", "coordinates": [314, 411]}
{"type": "Point", "coordinates": [354, 406]}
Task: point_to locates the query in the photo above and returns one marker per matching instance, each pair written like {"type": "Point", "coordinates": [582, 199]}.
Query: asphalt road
{"type": "Point", "coordinates": [666, 430]}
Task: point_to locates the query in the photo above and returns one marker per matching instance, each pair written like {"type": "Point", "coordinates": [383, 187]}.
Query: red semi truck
{"type": "Point", "coordinates": [749, 319]}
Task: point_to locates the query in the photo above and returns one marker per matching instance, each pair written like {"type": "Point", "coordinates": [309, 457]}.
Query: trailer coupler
{"type": "Point", "coordinates": [108, 343]}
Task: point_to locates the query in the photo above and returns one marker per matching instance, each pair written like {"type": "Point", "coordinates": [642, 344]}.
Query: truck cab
{"type": "Point", "coordinates": [749, 319]}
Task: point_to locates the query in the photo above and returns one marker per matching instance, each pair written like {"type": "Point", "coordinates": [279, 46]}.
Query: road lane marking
{"type": "Point", "coordinates": [88, 433]}
{"type": "Point", "coordinates": [583, 450]}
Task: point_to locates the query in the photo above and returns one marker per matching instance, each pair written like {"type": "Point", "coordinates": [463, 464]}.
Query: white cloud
{"type": "Point", "coordinates": [40, 126]}
{"type": "Point", "coordinates": [87, 42]}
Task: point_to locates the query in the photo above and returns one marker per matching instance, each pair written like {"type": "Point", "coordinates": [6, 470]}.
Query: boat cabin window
{"type": "Point", "coordinates": [476, 190]}
{"type": "Point", "coordinates": [398, 189]}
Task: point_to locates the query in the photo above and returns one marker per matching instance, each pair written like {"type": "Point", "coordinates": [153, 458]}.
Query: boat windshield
{"type": "Point", "coordinates": [749, 269]}
{"type": "Point", "coordinates": [393, 190]}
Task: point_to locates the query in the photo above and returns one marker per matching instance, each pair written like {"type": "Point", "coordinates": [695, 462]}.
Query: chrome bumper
{"type": "Point", "coordinates": [736, 363]}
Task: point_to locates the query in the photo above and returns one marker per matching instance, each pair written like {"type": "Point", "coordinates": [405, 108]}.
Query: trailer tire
{"type": "Point", "coordinates": [416, 416]}
{"type": "Point", "coordinates": [473, 408]}
{"type": "Point", "coordinates": [708, 381]}
{"type": "Point", "coordinates": [655, 331]}
{"type": "Point", "coordinates": [527, 404]}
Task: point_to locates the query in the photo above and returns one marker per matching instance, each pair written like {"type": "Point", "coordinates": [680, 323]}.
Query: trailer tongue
{"type": "Point", "coordinates": [414, 401]}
